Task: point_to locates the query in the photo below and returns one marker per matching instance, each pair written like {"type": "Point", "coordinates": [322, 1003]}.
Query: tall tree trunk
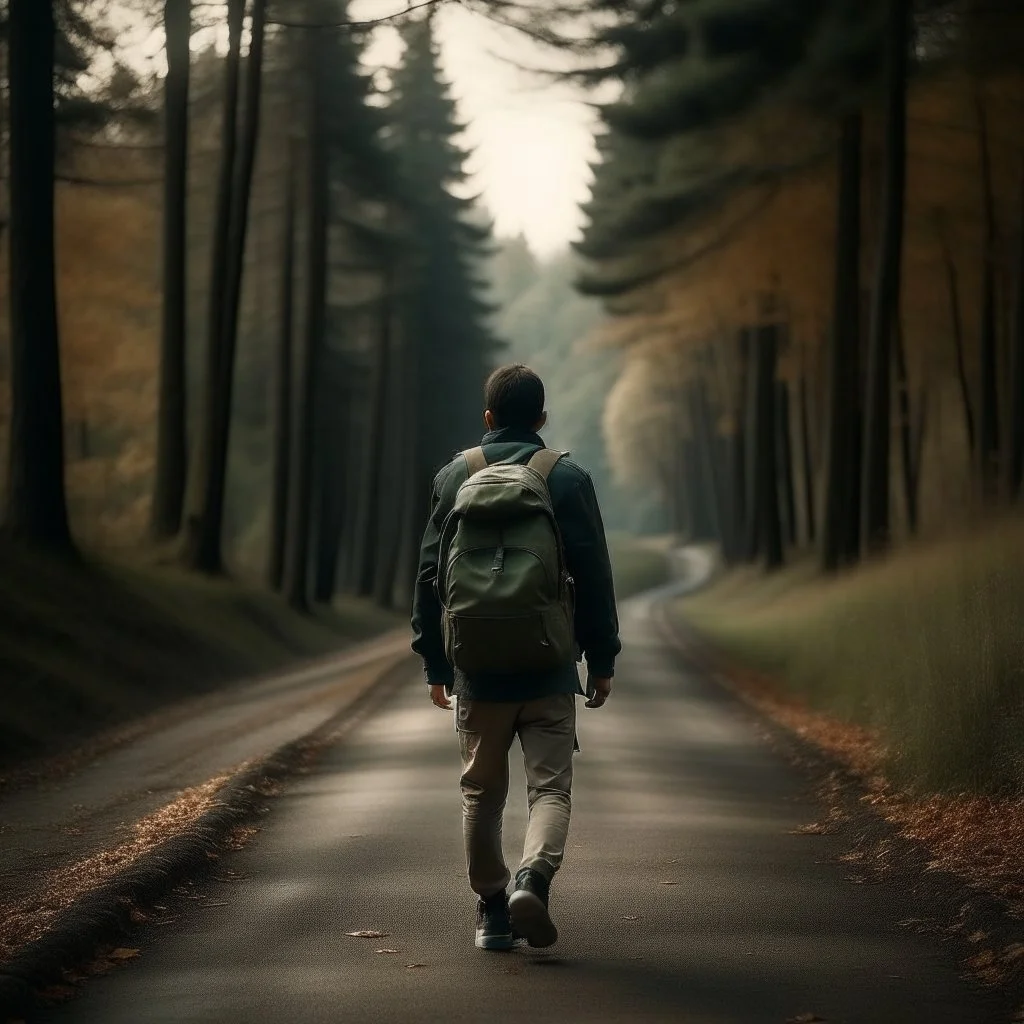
{"type": "Point", "coordinates": [414, 508]}
{"type": "Point", "coordinates": [806, 457]}
{"type": "Point", "coordinates": [281, 472]}
{"type": "Point", "coordinates": [1017, 362]}
{"type": "Point", "coordinates": [769, 520]}
{"type": "Point", "coordinates": [875, 529]}
{"type": "Point", "coordinates": [171, 446]}
{"type": "Point", "coordinates": [751, 547]}
{"type": "Point", "coordinates": [203, 521]}
{"type": "Point", "coordinates": [988, 422]}
{"type": "Point", "coordinates": [376, 437]}
{"type": "Point", "coordinates": [698, 496]}
{"type": "Point", "coordinates": [784, 435]}
{"type": "Point", "coordinates": [957, 327]}
{"type": "Point", "coordinates": [701, 417]}
{"type": "Point", "coordinates": [388, 533]}
{"type": "Point", "coordinates": [907, 461]}
{"type": "Point", "coordinates": [329, 447]}
{"type": "Point", "coordinates": [738, 468]}
{"type": "Point", "coordinates": [36, 503]}
{"type": "Point", "coordinates": [296, 584]}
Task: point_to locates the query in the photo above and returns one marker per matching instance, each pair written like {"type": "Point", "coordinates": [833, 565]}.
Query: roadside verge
{"type": "Point", "coordinates": [205, 822]}
{"type": "Point", "coordinates": [890, 835]}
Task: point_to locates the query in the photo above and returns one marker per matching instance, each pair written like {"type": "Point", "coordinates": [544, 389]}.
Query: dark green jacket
{"type": "Point", "coordinates": [586, 555]}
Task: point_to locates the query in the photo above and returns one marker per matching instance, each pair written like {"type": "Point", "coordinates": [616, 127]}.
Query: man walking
{"type": "Point", "coordinates": [514, 587]}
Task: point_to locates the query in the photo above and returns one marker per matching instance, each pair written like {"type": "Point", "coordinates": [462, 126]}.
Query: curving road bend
{"type": "Point", "coordinates": [684, 896]}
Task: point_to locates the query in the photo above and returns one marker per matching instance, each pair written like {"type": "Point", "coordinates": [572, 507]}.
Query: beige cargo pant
{"type": "Point", "coordinates": [547, 730]}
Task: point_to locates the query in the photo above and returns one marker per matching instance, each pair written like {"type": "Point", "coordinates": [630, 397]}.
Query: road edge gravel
{"type": "Point", "coordinates": [104, 915]}
{"type": "Point", "coordinates": [943, 904]}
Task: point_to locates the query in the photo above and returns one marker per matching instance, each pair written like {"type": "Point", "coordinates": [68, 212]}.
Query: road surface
{"type": "Point", "coordinates": [684, 896]}
{"type": "Point", "coordinates": [52, 824]}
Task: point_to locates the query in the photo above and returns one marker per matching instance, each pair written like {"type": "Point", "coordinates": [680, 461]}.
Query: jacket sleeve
{"type": "Point", "coordinates": [586, 552]}
{"type": "Point", "coordinates": [428, 641]}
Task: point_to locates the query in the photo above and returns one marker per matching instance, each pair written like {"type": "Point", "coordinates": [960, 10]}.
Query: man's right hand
{"type": "Point", "coordinates": [602, 689]}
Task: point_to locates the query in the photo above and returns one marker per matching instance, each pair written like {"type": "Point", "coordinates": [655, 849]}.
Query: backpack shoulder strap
{"type": "Point", "coordinates": [544, 460]}
{"type": "Point", "coordinates": [475, 460]}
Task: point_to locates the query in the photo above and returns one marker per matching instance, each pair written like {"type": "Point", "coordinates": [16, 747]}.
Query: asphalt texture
{"type": "Point", "coordinates": [51, 824]}
{"type": "Point", "coordinates": [685, 894]}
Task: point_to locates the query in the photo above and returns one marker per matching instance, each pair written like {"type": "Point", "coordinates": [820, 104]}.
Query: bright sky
{"type": "Point", "coordinates": [532, 140]}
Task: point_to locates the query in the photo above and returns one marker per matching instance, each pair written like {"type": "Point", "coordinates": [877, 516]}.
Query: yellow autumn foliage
{"type": "Point", "coordinates": [780, 239]}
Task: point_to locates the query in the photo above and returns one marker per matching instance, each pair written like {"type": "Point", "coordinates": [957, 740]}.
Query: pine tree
{"type": "Point", "coordinates": [446, 314]}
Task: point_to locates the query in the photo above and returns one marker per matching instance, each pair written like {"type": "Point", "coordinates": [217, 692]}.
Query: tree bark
{"type": "Point", "coordinates": [329, 446]}
{"type": "Point", "coordinates": [711, 486]}
{"type": "Point", "coordinates": [907, 463]}
{"type": "Point", "coordinates": [283, 388]}
{"type": "Point", "coordinates": [988, 421]}
{"type": "Point", "coordinates": [171, 446]}
{"type": "Point", "coordinates": [203, 547]}
{"type": "Point", "coordinates": [769, 521]}
{"type": "Point", "coordinates": [296, 584]}
{"type": "Point", "coordinates": [875, 527]}
{"type": "Point", "coordinates": [807, 461]}
{"type": "Point", "coordinates": [957, 327]}
{"type": "Point", "coordinates": [1017, 362]}
{"type": "Point", "coordinates": [376, 437]}
{"type": "Point", "coordinates": [784, 435]}
{"type": "Point", "coordinates": [751, 546]}
{"type": "Point", "coordinates": [388, 536]}
{"type": "Point", "coordinates": [739, 448]}
{"type": "Point", "coordinates": [842, 430]}
{"type": "Point", "coordinates": [36, 511]}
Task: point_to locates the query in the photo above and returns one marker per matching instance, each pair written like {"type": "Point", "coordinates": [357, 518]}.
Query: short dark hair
{"type": "Point", "coordinates": [514, 394]}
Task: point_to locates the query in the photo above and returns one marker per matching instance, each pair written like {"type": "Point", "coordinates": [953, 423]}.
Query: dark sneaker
{"type": "Point", "coordinates": [529, 909]}
{"type": "Point", "coordinates": [493, 924]}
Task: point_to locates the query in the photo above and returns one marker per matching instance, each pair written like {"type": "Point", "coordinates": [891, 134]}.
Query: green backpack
{"type": "Point", "coordinates": [506, 597]}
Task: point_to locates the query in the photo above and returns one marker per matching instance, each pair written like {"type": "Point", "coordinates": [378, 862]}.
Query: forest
{"type": "Point", "coordinates": [250, 294]}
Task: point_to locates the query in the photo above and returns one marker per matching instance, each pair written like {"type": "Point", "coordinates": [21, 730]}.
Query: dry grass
{"type": "Point", "coordinates": [925, 651]}
{"type": "Point", "coordinates": [29, 918]}
{"type": "Point", "coordinates": [908, 673]}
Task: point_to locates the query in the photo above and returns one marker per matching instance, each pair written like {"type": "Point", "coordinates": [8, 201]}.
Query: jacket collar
{"type": "Point", "coordinates": [513, 435]}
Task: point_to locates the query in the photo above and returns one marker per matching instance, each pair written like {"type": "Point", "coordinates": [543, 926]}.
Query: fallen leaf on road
{"type": "Point", "coordinates": [367, 935]}
{"type": "Point", "coordinates": [123, 953]}
{"type": "Point", "coordinates": [385, 951]}
{"type": "Point", "coordinates": [804, 1018]}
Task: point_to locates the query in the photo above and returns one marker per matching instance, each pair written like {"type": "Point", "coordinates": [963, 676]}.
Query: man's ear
{"type": "Point", "coordinates": [489, 420]}
{"type": "Point", "coordinates": [541, 423]}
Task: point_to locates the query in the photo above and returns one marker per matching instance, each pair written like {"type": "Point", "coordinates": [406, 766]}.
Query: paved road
{"type": "Point", "coordinates": [674, 785]}
{"type": "Point", "coordinates": [51, 824]}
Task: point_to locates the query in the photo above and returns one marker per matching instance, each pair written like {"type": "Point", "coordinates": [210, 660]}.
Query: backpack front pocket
{"type": "Point", "coordinates": [500, 644]}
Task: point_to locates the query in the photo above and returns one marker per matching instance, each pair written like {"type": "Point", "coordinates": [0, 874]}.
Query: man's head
{"type": "Point", "coordinates": [514, 397]}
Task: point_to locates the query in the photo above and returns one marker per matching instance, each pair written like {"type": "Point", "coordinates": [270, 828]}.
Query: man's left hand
{"type": "Point", "coordinates": [439, 698]}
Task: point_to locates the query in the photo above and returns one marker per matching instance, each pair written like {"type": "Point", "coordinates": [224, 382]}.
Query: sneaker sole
{"type": "Point", "coordinates": [501, 942]}
{"type": "Point", "coordinates": [531, 919]}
